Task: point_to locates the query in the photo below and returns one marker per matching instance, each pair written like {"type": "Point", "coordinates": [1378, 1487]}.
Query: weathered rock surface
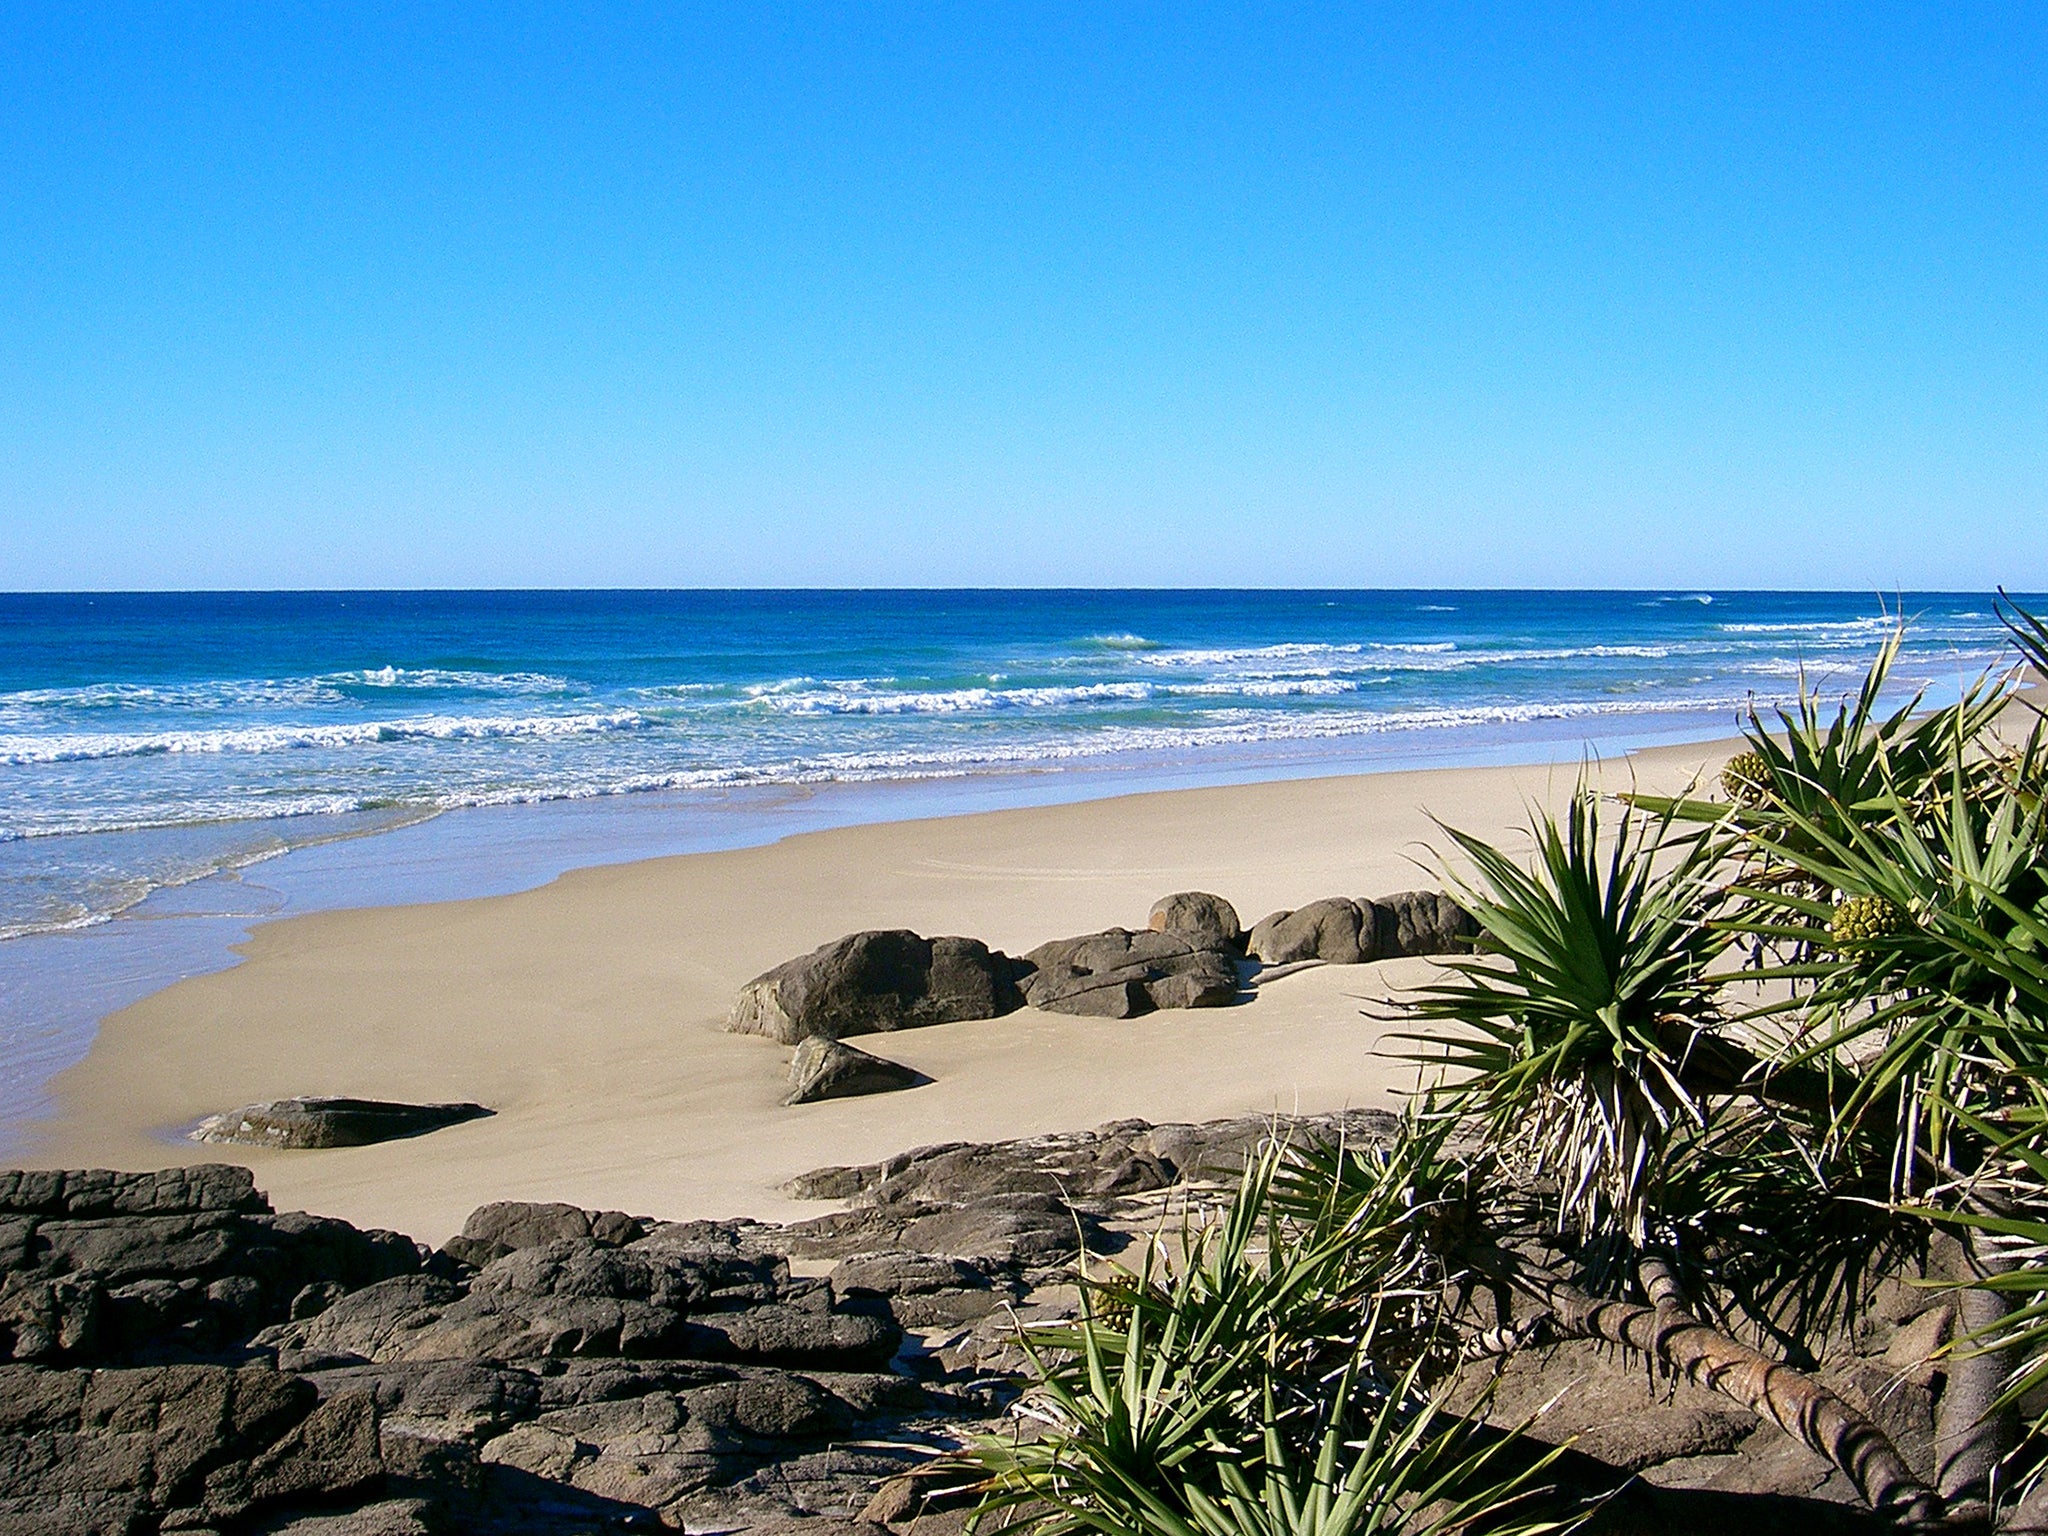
{"type": "Point", "coordinates": [1421, 923]}
{"type": "Point", "coordinates": [829, 1069]}
{"type": "Point", "coordinates": [331, 1122]}
{"type": "Point", "coordinates": [1341, 931]}
{"type": "Point", "coordinates": [1118, 974]}
{"type": "Point", "coordinates": [875, 981]}
{"type": "Point", "coordinates": [1206, 921]}
{"type": "Point", "coordinates": [557, 1369]}
{"type": "Point", "coordinates": [1323, 930]}
{"type": "Point", "coordinates": [124, 1268]}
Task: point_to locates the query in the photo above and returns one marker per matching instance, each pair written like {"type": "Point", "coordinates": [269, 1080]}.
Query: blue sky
{"type": "Point", "coordinates": [991, 295]}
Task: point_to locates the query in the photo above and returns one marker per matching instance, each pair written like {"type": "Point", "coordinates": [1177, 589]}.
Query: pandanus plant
{"type": "Point", "coordinates": [1588, 1043]}
{"type": "Point", "coordinates": [1241, 1381]}
{"type": "Point", "coordinates": [1618, 1099]}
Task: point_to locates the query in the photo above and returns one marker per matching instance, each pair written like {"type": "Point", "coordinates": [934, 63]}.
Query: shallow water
{"type": "Point", "coordinates": [176, 767]}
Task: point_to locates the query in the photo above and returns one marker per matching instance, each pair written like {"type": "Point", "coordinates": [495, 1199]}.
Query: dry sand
{"type": "Point", "coordinates": [589, 1012]}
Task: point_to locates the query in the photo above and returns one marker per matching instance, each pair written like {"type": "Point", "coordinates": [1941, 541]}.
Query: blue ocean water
{"type": "Point", "coordinates": [147, 740]}
{"type": "Point", "coordinates": [220, 757]}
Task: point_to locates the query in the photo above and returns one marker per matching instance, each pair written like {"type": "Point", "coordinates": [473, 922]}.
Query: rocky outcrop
{"type": "Point", "coordinates": [830, 1069]}
{"type": "Point", "coordinates": [592, 1367]}
{"type": "Point", "coordinates": [1340, 931]}
{"type": "Point", "coordinates": [1118, 974]}
{"type": "Point", "coordinates": [1421, 923]}
{"type": "Point", "coordinates": [331, 1122]}
{"type": "Point", "coordinates": [564, 1369]}
{"type": "Point", "coordinates": [125, 1268]}
{"type": "Point", "coordinates": [876, 981]}
{"type": "Point", "coordinates": [1206, 921]}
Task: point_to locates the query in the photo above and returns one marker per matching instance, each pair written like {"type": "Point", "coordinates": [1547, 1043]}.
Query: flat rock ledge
{"type": "Point", "coordinates": [330, 1122]}
{"type": "Point", "coordinates": [176, 1355]}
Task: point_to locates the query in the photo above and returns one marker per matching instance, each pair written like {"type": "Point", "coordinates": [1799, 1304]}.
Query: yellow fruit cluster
{"type": "Point", "coordinates": [1864, 919]}
{"type": "Point", "coordinates": [1746, 778]}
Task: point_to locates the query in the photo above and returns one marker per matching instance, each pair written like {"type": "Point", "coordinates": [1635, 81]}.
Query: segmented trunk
{"type": "Point", "coordinates": [1796, 1403]}
{"type": "Point", "coordinates": [1969, 1438]}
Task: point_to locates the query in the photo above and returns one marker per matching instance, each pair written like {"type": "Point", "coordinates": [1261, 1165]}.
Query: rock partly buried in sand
{"type": "Point", "coordinates": [1323, 930]}
{"type": "Point", "coordinates": [830, 1069]}
{"type": "Point", "coordinates": [1206, 921]}
{"type": "Point", "coordinates": [308, 1123]}
{"type": "Point", "coordinates": [1117, 974]}
{"type": "Point", "coordinates": [1421, 923]}
{"type": "Point", "coordinates": [1346, 932]}
{"type": "Point", "coordinates": [878, 980]}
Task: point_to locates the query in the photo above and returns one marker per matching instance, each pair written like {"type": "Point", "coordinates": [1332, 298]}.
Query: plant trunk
{"type": "Point", "coordinates": [1706, 1357]}
{"type": "Point", "coordinates": [1970, 1438]}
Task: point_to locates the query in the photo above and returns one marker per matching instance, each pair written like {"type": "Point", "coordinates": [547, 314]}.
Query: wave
{"type": "Point", "coordinates": [218, 694]}
{"type": "Point", "coordinates": [1122, 643]}
{"type": "Point", "coordinates": [1814, 627]}
{"type": "Point", "coordinates": [855, 699]}
{"type": "Point", "coordinates": [439, 679]}
{"type": "Point", "coordinates": [18, 751]}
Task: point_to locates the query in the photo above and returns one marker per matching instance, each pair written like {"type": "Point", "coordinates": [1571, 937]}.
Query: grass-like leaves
{"type": "Point", "coordinates": [1570, 1038]}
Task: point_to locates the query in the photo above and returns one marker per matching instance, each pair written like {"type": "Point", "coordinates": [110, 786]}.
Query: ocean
{"type": "Point", "coordinates": [176, 766]}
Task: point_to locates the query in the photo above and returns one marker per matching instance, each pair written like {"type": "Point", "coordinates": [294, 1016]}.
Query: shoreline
{"type": "Point", "coordinates": [57, 986]}
{"type": "Point", "coordinates": [588, 1012]}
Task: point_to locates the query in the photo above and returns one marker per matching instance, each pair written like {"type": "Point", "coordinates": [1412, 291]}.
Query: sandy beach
{"type": "Point", "coordinates": [589, 1012]}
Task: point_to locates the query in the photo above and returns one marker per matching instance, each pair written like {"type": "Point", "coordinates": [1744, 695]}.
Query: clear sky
{"type": "Point", "coordinates": [1051, 295]}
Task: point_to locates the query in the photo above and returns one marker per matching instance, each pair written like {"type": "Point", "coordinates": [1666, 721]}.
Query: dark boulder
{"type": "Point", "coordinates": [1118, 974]}
{"type": "Point", "coordinates": [876, 981]}
{"type": "Point", "coordinates": [831, 1069]}
{"type": "Point", "coordinates": [495, 1230]}
{"type": "Point", "coordinates": [331, 1122]}
{"type": "Point", "coordinates": [1329, 930]}
{"type": "Point", "coordinates": [1421, 923]}
{"type": "Point", "coordinates": [102, 1268]}
{"type": "Point", "coordinates": [1206, 921]}
{"type": "Point", "coordinates": [172, 1447]}
{"type": "Point", "coordinates": [1341, 931]}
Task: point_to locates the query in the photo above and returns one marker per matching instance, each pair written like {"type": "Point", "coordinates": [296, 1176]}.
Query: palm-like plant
{"type": "Point", "coordinates": [1236, 1384]}
{"type": "Point", "coordinates": [1586, 1044]}
{"type": "Point", "coordinates": [1580, 1036]}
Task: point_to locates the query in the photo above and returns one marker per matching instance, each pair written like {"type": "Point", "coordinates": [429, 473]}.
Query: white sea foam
{"type": "Point", "coordinates": [1818, 627]}
{"type": "Point", "coordinates": [214, 695]}
{"type": "Point", "coordinates": [860, 699]}
{"type": "Point", "coordinates": [89, 746]}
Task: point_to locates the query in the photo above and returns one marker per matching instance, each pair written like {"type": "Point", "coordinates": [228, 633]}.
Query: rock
{"type": "Point", "coordinates": [1118, 974]}
{"type": "Point", "coordinates": [1206, 921]}
{"type": "Point", "coordinates": [1609, 1407]}
{"type": "Point", "coordinates": [1323, 930]}
{"type": "Point", "coordinates": [1346, 932]}
{"type": "Point", "coordinates": [495, 1230]}
{"type": "Point", "coordinates": [331, 1122]}
{"type": "Point", "coordinates": [146, 1268]}
{"type": "Point", "coordinates": [877, 980]}
{"type": "Point", "coordinates": [922, 1290]}
{"type": "Point", "coordinates": [49, 1319]}
{"type": "Point", "coordinates": [1421, 923]}
{"type": "Point", "coordinates": [824, 1068]}
{"type": "Point", "coordinates": [91, 1192]}
{"type": "Point", "coordinates": [119, 1450]}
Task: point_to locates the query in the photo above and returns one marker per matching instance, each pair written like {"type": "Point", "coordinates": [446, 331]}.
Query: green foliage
{"type": "Point", "coordinates": [1271, 1372]}
{"type": "Point", "coordinates": [1570, 1036]}
{"type": "Point", "coordinates": [1237, 1383]}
